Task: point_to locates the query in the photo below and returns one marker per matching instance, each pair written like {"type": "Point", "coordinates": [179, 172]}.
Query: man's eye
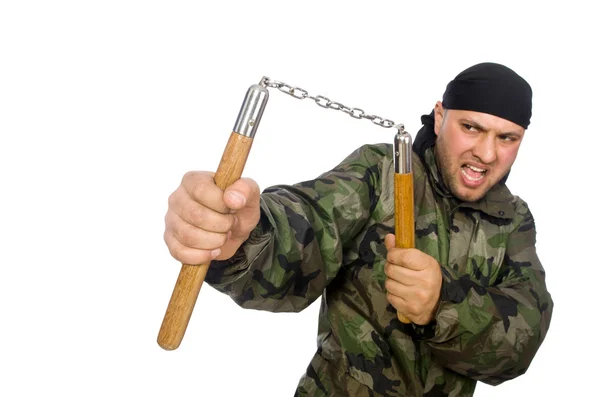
{"type": "Point", "coordinates": [469, 127]}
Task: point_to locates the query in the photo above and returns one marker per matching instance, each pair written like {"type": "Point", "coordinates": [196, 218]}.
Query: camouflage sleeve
{"type": "Point", "coordinates": [297, 247]}
{"type": "Point", "coordinates": [492, 334]}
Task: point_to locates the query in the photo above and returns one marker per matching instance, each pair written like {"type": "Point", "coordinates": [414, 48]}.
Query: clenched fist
{"type": "Point", "coordinates": [414, 282]}
{"type": "Point", "coordinates": [205, 223]}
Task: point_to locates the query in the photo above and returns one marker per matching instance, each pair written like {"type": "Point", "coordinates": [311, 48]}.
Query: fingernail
{"type": "Point", "coordinates": [237, 198]}
{"type": "Point", "coordinates": [215, 253]}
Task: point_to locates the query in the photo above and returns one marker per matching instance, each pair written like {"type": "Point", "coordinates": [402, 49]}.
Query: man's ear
{"type": "Point", "coordinates": [438, 115]}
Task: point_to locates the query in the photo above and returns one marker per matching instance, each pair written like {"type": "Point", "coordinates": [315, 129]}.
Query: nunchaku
{"type": "Point", "coordinates": [191, 277]}
{"type": "Point", "coordinates": [404, 216]}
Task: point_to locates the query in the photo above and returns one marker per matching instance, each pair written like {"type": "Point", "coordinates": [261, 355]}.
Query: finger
{"type": "Point", "coordinates": [414, 259]}
{"type": "Point", "coordinates": [390, 241]}
{"type": "Point", "coordinates": [200, 216]}
{"type": "Point", "coordinates": [396, 255]}
{"type": "Point", "coordinates": [399, 289]}
{"type": "Point", "coordinates": [193, 237]}
{"type": "Point", "coordinates": [414, 297]}
{"type": "Point", "coordinates": [399, 303]}
{"type": "Point", "coordinates": [242, 193]}
{"type": "Point", "coordinates": [409, 258]}
{"type": "Point", "coordinates": [400, 274]}
{"type": "Point", "coordinates": [187, 255]}
{"type": "Point", "coordinates": [406, 306]}
{"type": "Point", "coordinates": [201, 187]}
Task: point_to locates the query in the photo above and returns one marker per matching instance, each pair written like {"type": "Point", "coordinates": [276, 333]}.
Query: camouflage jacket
{"type": "Point", "coordinates": [325, 237]}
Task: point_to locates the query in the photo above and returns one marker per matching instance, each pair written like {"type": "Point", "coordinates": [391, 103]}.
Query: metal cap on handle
{"type": "Point", "coordinates": [402, 152]}
{"type": "Point", "coordinates": [251, 110]}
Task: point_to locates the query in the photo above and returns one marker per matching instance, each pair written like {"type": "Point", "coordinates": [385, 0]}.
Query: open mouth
{"type": "Point", "coordinates": [473, 173]}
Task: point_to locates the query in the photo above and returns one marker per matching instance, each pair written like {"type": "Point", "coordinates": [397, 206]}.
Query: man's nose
{"type": "Point", "coordinates": [485, 148]}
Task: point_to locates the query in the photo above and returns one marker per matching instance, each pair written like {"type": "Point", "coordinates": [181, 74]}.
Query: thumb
{"type": "Point", "coordinates": [390, 241]}
{"type": "Point", "coordinates": [242, 193]}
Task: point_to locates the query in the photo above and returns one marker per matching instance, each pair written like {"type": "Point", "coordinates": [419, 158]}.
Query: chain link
{"type": "Point", "coordinates": [324, 102]}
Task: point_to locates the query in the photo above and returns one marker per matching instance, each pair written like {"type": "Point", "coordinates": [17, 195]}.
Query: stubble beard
{"type": "Point", "coordinates": [450, 175]}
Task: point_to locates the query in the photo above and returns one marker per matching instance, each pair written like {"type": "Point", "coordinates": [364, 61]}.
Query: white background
{"type": "Point", "coordinates": [105, 105]}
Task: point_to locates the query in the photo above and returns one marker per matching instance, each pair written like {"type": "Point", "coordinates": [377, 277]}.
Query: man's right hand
{"type": "Point", "coordinates": [204, 223]}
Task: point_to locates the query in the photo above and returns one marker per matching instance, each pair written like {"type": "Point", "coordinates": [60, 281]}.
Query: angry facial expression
{"type": "Point", "coordinates": [474, 150]}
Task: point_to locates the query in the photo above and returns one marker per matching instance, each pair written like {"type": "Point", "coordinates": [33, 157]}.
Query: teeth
{"type": "Point", "coordinates": [475, 168]}
{"type": "Point", "coordinates": [469, 177]}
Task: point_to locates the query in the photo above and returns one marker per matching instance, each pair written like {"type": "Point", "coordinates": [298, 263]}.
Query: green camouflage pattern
{"type": "Point", "coordinates": [325, 237]}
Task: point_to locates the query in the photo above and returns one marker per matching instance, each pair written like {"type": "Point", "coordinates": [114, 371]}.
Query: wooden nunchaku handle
{"type": "Point", "coordinates": [231, 166]}
{"type": "Point", "coordinates": [405, 218]}
{"type": "Point", "coordinates": [403, 195]}
{"type": "Point", "coordinates": [191, 277]}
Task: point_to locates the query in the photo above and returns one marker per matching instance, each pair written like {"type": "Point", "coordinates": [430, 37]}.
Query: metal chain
{"type": "Point", "coordinates": [324, 102]}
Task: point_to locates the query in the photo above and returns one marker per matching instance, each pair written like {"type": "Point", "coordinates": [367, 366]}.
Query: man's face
{"type": "Point", "coordinates": [474, 150]}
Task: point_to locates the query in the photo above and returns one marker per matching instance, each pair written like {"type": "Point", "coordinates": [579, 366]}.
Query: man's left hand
{"type": "Point", "coordinates": [414, 281]}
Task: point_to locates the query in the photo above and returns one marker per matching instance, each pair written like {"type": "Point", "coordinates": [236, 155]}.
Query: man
{"type": "Point", "coordinates": [473, 288]}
